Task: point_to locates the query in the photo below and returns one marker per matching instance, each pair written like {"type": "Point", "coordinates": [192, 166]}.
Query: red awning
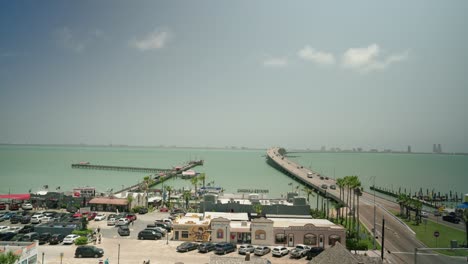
{"type": "Point", "coordinates": [25, 196]}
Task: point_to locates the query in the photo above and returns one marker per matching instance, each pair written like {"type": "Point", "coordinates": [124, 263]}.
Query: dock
{"type": "Point", "coordinates": [117, 168]}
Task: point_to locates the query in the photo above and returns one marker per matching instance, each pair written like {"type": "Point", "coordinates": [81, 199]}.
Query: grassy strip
{"type": "Point", "coordinates": [425, 233]}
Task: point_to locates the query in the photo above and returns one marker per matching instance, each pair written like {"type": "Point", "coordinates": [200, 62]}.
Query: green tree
{"type": "Point", "coordinates": [187, 195]}
{"type": "Point", "coordinates": [8, 258]}
{"type": "Point", "coordinates": [258, 208]}
{"type": "Point", "coordinates": [202, 178]}
{"type": "Point", "coordinates": [169, 189]}
{"type": "Point", "coordinates": [194, 182]}
{"type": "Point", "coordinates": [129, 200]}
{"type": "Point", "coordinates": [147, 182]}
{"type": "Point", "coordinates": [308, 192]}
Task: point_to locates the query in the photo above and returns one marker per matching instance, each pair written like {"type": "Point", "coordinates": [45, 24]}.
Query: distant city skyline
{"type": "Point", "coordinates": [247, 73]}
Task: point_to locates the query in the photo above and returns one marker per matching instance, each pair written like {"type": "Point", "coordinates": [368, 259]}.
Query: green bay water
{"type": "Point", "coordinates": [30, 167]}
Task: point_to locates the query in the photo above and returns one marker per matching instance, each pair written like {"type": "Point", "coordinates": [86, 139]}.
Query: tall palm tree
{"type": "Point", "coordinates": [194, 182]}
{"type": "Point", "coordinates": [187, 195]}
{"type": "Point", "coordinates": [308, 192]}
{"type": "Point", "coordinates": [169, 189]}
{"type": "Point", "coordinates": [147, 182]}
{"type": "Point", "coordinates": [340, 184]}
{"type": "Point", "coordinates": [202, 177]}
{"type": "Point", "coordinates": [401, 201]}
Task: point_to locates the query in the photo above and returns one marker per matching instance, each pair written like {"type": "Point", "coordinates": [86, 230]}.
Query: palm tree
{"type": "Point", "coordinates": [194, 182]}
{"type": "Point", "coordinates": [187, 195]}
{"type": "Point", "coordinates": [168, 190]}
{"type": "Point", "coordinates": [258, 208]}
{"type": "Point", "coordinates": [147, 182]}
{"type": "Point", "coordinates": [202, 178]}
{"type": "Point", "coordinates": [401, 201]}
{"type": "Point", "coordinates": [9, 258]}
{"type": "Point", "coordinates": [308, 192]}
{"type": "Point", "coordinates": [340, 184]}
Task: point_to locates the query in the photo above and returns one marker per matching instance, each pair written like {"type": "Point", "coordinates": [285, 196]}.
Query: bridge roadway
{"type": "Point", "coordinates": [400, 240]}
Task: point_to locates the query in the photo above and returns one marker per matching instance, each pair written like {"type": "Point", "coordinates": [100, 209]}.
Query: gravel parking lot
{"type": "Point", "coordinates": [133, 250]}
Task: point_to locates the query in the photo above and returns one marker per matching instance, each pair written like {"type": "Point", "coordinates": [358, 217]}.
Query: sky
{"type": "Point", "coordinates": [301, 74]}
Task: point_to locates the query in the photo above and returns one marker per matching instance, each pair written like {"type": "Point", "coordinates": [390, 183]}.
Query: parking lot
{"type": "Point", "coordinates": [133, 250]}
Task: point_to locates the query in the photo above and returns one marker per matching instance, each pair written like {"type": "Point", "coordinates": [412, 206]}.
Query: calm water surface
{"type": "Point", "coordinates": [30, 167]}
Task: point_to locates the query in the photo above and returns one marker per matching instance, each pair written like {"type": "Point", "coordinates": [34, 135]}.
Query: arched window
{"type": "Point", "coordinates": [280, 238]}
{"type": "Point", "coordinates": [310, 239]}
{"type": "Point", "coordinates": [332, 239]}
{"type": "Point", "coordinates": [220, 233]}
{"type": "Point", "coordinates": [260, 234]}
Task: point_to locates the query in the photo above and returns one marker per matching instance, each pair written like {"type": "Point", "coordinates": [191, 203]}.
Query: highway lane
{"type": "Point", "coordinates": [400, 241]}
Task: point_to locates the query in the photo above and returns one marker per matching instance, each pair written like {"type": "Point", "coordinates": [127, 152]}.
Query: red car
{"type": "Point", "coordinates": [14, 207]}
{"type": "Point", "coordinates": [77, 215]}
{"type": "Point", "coordinates": [131, 217]}
{"type": "Point", "coordinates": [91, 216]}
{"type": "Point", "coordinates": [164, 209]}
{"type": "Point", "coordinates": [2, 206]}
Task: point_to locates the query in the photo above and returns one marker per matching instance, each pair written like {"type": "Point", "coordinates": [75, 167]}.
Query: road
{"type": "Point", "coordinates": [400, 241]}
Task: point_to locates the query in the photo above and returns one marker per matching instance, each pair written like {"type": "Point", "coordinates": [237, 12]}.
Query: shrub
{"type": "Point", "coordinates": [352, 244]}
{"type": "Point", "coordinates": [81, 241]}
{"type": "Point", "coordinates": [82, 232]}
{"type": "Point", "coordinates": [136, 209]}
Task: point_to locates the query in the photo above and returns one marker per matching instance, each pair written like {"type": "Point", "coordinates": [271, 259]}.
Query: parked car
{"type": "Point", "coordinates": [2, 206]}
{"type": "Point", "coordinates": [15, 229]}
{"type": "Point", "coordinates": [110, 221]}
{"type": "Point", "coordinates": [37, 219]}
{"type": "Point", "coordinates": [131, 217]}
{"type": "Point", "coordinates": [262, 250]}
{"type": "Point", "coordinates": [424, 214]}
{"type": "Point", "coordinates": [16, 219]}
{"type": "Point", "coordinates": [437, 213]}
{"type": "Point", "coordinates": [123, 230]}
{"type": "Point", "coordinates": [451, 219]}
{"type": "Point", "coordinates": [27, 206]}
{"type": "Point", "coordinates": [310, 175]}
{"type": "Point", "coordinates": [333, 187]}
{"type": "Point", "coordinates": [56, 239]}
{"type": "Point", "coordinates": [324, 186]}
{"type": "Point", "coordinates": [163, 225]}
{"type": "Point", "coordinates": [8, 236]}
{"type": "Point", "coordinates": [88, 251]}
{"type": "Point", "coordinates": [163, 209]}
{"type": "Point", "coordinates": [14, 207]}
{"type": "Point", "coordinates": [280, 251]}
{"type": "Point", "coordinates": [26, 219]}
{"type": "Point", "coordinates": [149, 234]}
{"type": "Point", "coordinates": [4, 229]}
{"type": "Point", "coordinates": [122, 222]}
{"type": "Point", "coordinates": [91, 216]}
{"type": "Point", "coordinates": [313, 252]}
{"type": "Point", "coordinates": [247, 248]}
{"type": "Point", "coordinates": [44, 238]}
{"type": "Point", "coordinates": [299, 251]}
{"type": "Point", "coordinates": [143, 210]}
{"type": "Point", "coordinates": [206, 247]}
{"type": "Point", "coordinates": [100, 217]}
{"type": "Point", "coordinates": [157, 229]}
{"type": "Point", "coordinates": [70, 239]}
{"type": "Point", "coordinates": [30, 237]}
{"type": "Point", "coordinates": [225, 247]}
{"type": "Point", "coordinates": [27, 229]}
{"type": "Point", "coordinates": [187, 246]}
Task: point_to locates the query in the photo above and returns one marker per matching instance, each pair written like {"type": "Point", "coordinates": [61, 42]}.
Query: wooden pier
{"type": "Point", "coordinates": [117, 168]}
{"type": "Point", "coordinates": [163, 174]}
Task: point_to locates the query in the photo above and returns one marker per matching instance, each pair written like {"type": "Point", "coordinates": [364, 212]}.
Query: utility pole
{"type": "Point", "coordinates": [375, 247]}
{"type": "Point", "coordinates": [383, 239]}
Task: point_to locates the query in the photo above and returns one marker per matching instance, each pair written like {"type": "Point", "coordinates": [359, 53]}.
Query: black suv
{"type": "Point", "coordinates": [26, 219]}
{"type": "Point", "coordinates": [224, 247]}
{"type": "Point", "coordinates": [451, 219]}
{"type": "Point", "coordinates": [26, 229]}
{"type": "Point", "coordinates": [44, 238]}
{"type": "Point", "coordinates": [56, 239]}
{"type": "Point", "coordinates": [206, 247]}
{"type": "Point", "coordinates": [313, 252]}
{"type": "Point", "coordinates": [88, 252]}
{"type": "Point", "coordinates": [149, 234]}
{"type": "Point", "coordinates": [15, 219]}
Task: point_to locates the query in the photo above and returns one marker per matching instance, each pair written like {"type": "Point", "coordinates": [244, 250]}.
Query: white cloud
{"type": "Point", "coordinates": [320, 57]}
{"type": "Point", "coordinates": [154, 40]}
{"type": "Point", "coordinates": [369, 59]}
{"type": "Point", "coordinates": [275, 62]}
{"type": "Point", "coordinates": [67, 39]}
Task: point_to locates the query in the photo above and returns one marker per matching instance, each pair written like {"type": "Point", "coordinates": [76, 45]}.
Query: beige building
{"type": "Point", "coordinates": [235, 228]}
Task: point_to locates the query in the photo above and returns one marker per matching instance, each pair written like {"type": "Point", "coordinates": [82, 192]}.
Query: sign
{"type": "Point", "coordinates": [436, 233]}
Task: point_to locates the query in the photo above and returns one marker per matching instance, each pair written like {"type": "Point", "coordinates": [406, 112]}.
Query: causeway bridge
{"type": "Point", "coordinates": [277, 159]}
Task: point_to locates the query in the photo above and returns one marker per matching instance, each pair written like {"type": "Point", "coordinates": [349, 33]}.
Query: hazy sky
{"type": "Point", "coordinates": [369, 74]}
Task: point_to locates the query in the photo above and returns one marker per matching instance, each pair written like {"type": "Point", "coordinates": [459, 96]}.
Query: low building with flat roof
{"type": "Point", "coordinates": [27, 251]}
